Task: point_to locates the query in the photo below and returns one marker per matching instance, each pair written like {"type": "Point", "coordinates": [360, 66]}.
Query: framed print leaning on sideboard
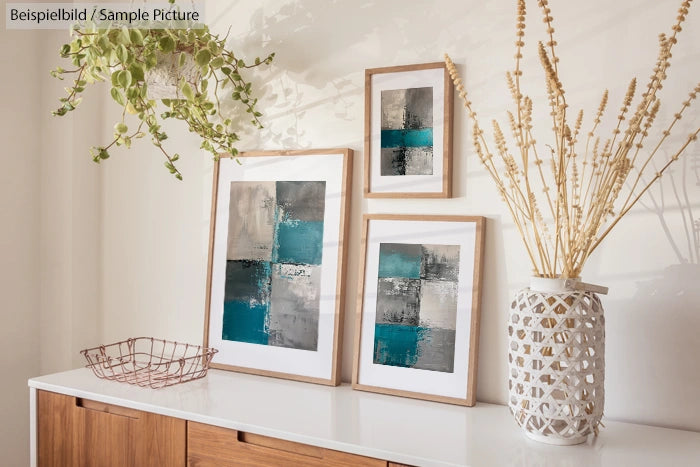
{"type": "Point", "coordinates": [417, 328]}
{"type": "Point", "coordinates": [277, 254]}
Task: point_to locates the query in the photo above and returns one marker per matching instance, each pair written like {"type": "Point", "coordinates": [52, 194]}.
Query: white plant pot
{"type": "Point", "coordinates": [163, 79]}
{"type": "Point", "coordinates": [556, 362]}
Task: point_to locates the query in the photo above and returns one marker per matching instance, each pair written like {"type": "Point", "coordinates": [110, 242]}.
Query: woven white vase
{"type": "Point", "coordinates": [556, 362]}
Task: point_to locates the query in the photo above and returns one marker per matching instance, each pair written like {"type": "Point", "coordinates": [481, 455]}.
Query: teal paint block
{"type": "Point", "coordinates": [407, 138]}
{"type": "Point", "coordinates": [246, 322]}
{"type": "Point", "coordinates": [400, 260]}
{"type": "Point", "coordinates": [298, 242]}
{"type": "Point", "coordinates": [397, 345]}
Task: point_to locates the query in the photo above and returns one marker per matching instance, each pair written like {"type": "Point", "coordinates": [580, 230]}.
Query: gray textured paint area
{"type": "Point", "coordinates": [398, 301]}
{"type": "Point", "coordinates": [407, 108]}
{"type": "Point", "coordinates": [294, 306]}
{"type": "Point", "coordinates": [407, 161]}
{"type": "Point", "coordinates": [438, 304]}
{"type": "Point", "coordinates": [251, 221]}
{"type": "Point", "coordinates": [440, 262]}
{"type": "Point", "coordinates": [436, 351]}
{"type": "Point", "coordinates": [302, 201]}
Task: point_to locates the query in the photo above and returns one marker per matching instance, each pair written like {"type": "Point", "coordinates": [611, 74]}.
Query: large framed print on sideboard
{"type": "Point", "coordinates": [277, 254]}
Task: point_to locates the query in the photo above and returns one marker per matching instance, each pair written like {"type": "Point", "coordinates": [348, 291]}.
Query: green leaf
{"type": "Point", "coordinates": [121, 128]}
{"type": "Point", "coordinates": [104, 44]}
{"type": "Point", "coordinates": [202, 57]}
{"type": "Point", "coordinates": [150, 60]}
{"type": "Point", "coordinates": [103, 154]}
{"type": "Point", "coordinates": [187, 91]}
{"type": "Point", "coordinates": [136, 36]}
{"type": "Point", "coordinates": [126, 37]}
{"type": "Point", "coordinates": [166, 44]}
{"type": "Point", "coordinates": [204, 85]}
{"type": "Point", "coordinates": [137, 71]}
{"type": "Point", "coordinates": [182, 59]}
{"type": "Point", "coordinates": [117, 96]}
{"type": "Point", "coordinates": [65, 50]}
{"type": "Point", "coordinates": [125, 78]}
{"type": "Point", "coordinates": [217, 63]}
{"type": "Point", "coordinates": [122, 53]}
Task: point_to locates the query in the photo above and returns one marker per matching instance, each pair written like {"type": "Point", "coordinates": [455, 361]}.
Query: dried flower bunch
{"type": "Point", "coordinates": [567, 199]}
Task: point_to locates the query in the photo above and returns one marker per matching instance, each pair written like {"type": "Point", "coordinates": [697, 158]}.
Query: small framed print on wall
{"type": "Point", "coordinates": [408, 132]}
{"type": "Point", "coordinates": [418, 307]}
{"type": "Point", "coordinates": [276, 285]}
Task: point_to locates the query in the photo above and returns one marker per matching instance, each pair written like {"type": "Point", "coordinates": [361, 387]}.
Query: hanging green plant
{"type": "Point", "coordinates": [203, 73]}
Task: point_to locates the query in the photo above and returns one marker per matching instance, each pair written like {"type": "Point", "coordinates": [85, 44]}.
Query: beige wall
{"type": "Point", "coordinates": [155, 229]}
{"type": "Point", "coordinates": [314, 98]}
{"type": "Point", "coordinates": [50, 203]}
{"type": "Point", "coordinates": [94, 254]}
{"type": "Point", "coordinates": [19, 241]}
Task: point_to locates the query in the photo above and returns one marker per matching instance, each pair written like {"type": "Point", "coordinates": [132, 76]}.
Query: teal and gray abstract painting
{"type": "Point", "coordinates": [407, 132]}
{"type": "Point", "coordinates": [416, 306]}
{"type": "Point", "coordinates": [273, 263]}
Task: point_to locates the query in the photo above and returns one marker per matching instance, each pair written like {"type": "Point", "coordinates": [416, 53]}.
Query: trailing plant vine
{"type": "Point", "coordinates": [125, 57]}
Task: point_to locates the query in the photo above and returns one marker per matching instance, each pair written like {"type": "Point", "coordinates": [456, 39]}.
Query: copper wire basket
{"type": "Point", "coordinates": [149, 362]}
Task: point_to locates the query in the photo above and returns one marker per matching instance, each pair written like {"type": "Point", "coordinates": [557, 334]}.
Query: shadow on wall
{"type": "Point", "coordinates": [665, 309]}
{"type": "Point", "coordinates": [323, 47]}
{"type": "Point", "coordinates": [662, 321]}
{"type": "Point", "coordinates": [684, 184]}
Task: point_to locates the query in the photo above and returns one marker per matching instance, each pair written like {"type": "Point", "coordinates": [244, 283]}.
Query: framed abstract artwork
{"type": "Point", "coordinates": [276, 281]}
{"type": "Point", "coordinates": [408, 132]}
{"type": "Point", "coordinates": [418, 307]}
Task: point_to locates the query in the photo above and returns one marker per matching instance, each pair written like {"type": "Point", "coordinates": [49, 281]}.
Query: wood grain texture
{"type": "Point", "coordinates": [80, 432]}
{"type": "Point", "coordinates": [210, 446]}
{"type": "Point", "coordinates": [343, 242]}
{"type": "Point", "coordinates": [210, 252]}
{"type": "Point", "coordinates": [334, 377]}
{"type": "Point", "coordinates": [54, 430]}
{"type": "Point", "coordinates": [448, 119]}
{"type": "Point", "coordinates": [470, 398]}
{"type": "Point", "coordinates": [476, 310]}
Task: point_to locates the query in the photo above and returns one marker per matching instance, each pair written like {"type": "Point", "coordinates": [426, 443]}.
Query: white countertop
{"type": "Point", "coordinates": [402, 430]}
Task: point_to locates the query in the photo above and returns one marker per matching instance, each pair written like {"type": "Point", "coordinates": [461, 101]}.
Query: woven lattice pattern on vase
{"type": "Point", "coordinates": [556, 363]}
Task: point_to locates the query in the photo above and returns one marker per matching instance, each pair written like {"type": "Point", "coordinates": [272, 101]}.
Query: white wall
{"type": "Point", "coordinates": [19, 211]}
{"type": "Point", "coordinates": [123, 246]}
{"type": "Point", "coordinates": [49, 203]}
{"type": "Point", "coordinates": [69, 216]}
{"type": "Point", "coordinates": [155, 229]}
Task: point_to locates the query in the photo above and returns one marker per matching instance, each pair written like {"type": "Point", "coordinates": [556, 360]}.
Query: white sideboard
{"type": "Point", "coordinates": [392, 428]}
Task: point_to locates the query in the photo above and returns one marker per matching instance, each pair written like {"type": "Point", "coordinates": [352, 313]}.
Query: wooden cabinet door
{"type": "Point", "coordinates": [210, 446]}
{"type": "Point", "coordinates": [80, 432]}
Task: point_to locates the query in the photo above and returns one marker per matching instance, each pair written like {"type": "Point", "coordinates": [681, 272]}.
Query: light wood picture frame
{"type": "Point", "coordinates": [277, 255]}
{"type": "Point", "coordinates": [419, 293]}
{"type": "Point", "coordinates": [408, 132]}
